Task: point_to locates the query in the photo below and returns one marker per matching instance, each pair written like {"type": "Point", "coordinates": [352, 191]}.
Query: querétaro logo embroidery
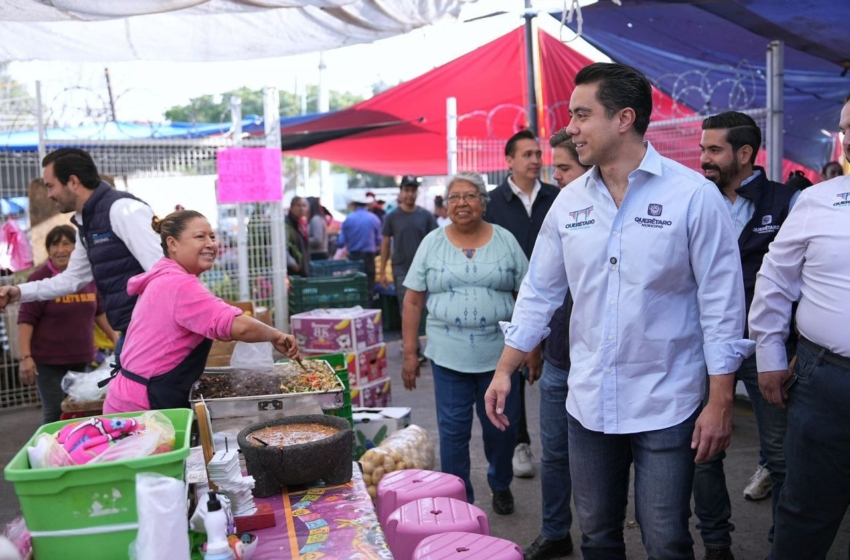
{"type": "Point", "coordinates": [99, 238]}
{"type": "Point", "coordinates": [581, 219]}
{"type": "Point", "coordinates": [844, 199]}
{"type": "Point", "coordinates": [654, 209]}
{"type": "Point", "coordinates": [765, 220]}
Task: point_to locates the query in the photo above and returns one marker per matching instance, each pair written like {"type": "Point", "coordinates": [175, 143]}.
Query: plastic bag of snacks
{"type": "Point", "coordinates": [410, 448]}
{"type": "Point", "coordinates": [104, 439]}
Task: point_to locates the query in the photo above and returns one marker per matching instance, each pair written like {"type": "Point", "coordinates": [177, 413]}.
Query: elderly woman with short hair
{"type": "Point", "coordinates": [470, 271]}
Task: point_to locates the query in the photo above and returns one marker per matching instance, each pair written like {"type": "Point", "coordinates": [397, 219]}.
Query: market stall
{"type": "Point", "coordinates": [86, 488]}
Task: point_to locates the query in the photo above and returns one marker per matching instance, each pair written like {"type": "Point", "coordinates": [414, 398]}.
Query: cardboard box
{"type": "Point", "coordinates": [372, 395]}
{"type": "Point", "coordinates": [373, 425]}
{"type": "Point", "coordinates": [338, 330]}
{"type": "Point", "coordinates": [367, 366]}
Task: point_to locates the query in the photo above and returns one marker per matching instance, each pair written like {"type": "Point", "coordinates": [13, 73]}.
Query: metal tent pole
{"type": "Point", "coordinates": [271, 118]}
{"type": "Point", "coordinates": [241, 223]}
{"type": "Point", "coordinates": [451, 134]}
{"type": "Point", "coordinates": [775, 108]}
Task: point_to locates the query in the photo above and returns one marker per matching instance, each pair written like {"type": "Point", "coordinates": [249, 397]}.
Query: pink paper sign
{"type": "Point", "coordinates": [249, 175]}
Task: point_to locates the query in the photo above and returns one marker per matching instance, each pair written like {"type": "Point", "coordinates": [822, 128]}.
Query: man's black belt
{"type": "Point", "coordinates": [824, 354]}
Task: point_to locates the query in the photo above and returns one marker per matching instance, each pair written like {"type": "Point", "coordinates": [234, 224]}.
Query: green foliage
{"type": "Point", "coordinates": [209, 108]}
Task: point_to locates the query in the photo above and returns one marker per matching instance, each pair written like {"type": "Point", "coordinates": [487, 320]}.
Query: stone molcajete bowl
{"type": "Point", "coordinates": [327, 459]}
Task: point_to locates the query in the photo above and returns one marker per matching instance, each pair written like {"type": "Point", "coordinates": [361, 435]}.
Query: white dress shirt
{"type": "Point", "coordinates": [527, 201]}
{"type": "Point", "coordinates": [658, 295]}
{"type": "Point", "coordinates": [807, 261]}
{"type": "Point", "coordinates": [131, 222]}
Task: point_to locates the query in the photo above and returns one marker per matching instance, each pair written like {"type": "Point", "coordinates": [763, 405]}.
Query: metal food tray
{"type": "Point", "coordinates": [265, 407]}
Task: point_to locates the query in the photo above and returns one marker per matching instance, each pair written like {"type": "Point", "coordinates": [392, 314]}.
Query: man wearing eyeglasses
{"type": "Point", "coordinates": [519, 205]}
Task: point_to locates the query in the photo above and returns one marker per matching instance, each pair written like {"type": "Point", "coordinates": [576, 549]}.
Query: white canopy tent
{"type": "Point", "coordinates": [203, 30]}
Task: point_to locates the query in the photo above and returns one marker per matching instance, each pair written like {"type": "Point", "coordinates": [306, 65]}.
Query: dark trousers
{"type": "Point", "coordinates": [555, 478]}
{"type": "Point", "coordinates": [712, 504]}
{"type": "Point", "coordinates": [522, 433]}
{"type": "Point", "coordinates": [664, 475]}
{"type": "Point", "coordinates": [49, 383]}
{"type": "Point", "coordinates": [368, 266]}
{"type": "Point", "coordinates": [457, 396]}
{"type": "Point", "coordinates": [816, 493]}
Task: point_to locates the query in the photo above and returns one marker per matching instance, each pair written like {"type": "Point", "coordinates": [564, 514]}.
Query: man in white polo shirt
{"type": "Point", "coordinates": [808, 262]}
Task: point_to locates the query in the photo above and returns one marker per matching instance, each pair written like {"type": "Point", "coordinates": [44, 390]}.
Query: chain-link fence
{"type": "Point", "coordinates": [159, 172]}
{"type": "Point", "coordinates": [677, 139]}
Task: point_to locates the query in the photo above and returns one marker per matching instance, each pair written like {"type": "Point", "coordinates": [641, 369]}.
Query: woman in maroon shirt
{"type": "Point", "coordinates": [57, 335]}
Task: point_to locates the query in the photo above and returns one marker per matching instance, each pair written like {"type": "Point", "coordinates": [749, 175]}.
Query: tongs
{"type": "Point", "coordinates": [288, 344]}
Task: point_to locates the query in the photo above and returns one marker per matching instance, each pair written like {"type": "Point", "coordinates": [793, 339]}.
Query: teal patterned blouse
{"type": "Point", "coordinates": [467, 297]}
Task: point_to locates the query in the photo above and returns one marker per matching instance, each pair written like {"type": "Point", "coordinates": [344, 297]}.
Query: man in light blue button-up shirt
{"type": "Point", "coordinates": [649, 252]}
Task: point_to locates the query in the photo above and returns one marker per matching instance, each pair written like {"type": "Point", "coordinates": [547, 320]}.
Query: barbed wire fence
{"type": "Point", "coordinates": [674, 131]}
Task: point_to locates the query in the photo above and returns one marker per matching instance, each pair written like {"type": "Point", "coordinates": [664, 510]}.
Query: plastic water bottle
{"type": "Point", "coordinates": [216, 524]}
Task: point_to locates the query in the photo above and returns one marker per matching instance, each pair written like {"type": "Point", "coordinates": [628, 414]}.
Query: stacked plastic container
{"type": "Point", "coordinates": [357, 333]}
{"type": "Point", "coordinates": [89, 511]}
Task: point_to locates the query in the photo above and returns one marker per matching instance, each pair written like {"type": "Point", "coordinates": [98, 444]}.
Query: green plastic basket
{"type": "Point", "coordinates": [306, 294]}
{"type": "Point", "coordinates": [89, 511]}
{"type": "Point", "coordinates": [335, 268]}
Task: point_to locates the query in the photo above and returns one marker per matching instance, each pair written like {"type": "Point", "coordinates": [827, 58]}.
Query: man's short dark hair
{"type": "Point", "coordinates": [525, 134]}
{"type": "Point", "coordinates": [834, 164]}
{"type": "Point", "coordinates": [559, 138]}
{"type": "Point", "coordinates": [563, 140]}
{"type": "Point", "coordinates": [619, 87]}
{"type": "Point", "coordinates": [741, 130]}
{"type": "Point", "coordinates": [73, 161]}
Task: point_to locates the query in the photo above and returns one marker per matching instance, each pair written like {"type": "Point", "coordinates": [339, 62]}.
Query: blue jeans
{"type": "Point", "coordinates": [711, 497]}
{"type": "Point", "coordinates": [664, 474]}
{"type": "Point", "coordinates": [456, 394]}
{"type": "Point", "coordinates": [816, 493]}
{"type": "Point", "coordinates": [555, 478]}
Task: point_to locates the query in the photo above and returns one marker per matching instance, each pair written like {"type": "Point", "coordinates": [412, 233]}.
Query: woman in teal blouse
{"type": "Point", "coordinates": [470, 271]}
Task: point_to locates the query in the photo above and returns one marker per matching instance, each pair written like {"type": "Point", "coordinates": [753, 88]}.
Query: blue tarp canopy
{"type": "Point", "coordinates": [27, 140]}
{"type": "Point", "coordinates": [709, 55]}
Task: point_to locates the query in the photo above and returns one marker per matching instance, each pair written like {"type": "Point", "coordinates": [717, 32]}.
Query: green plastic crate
{"type": "Point", "coordinates": [335, 267]}
{"type": "Point", "coordinates": [100, 497]}
{"type": "Point", "coordinates": [306, 294]}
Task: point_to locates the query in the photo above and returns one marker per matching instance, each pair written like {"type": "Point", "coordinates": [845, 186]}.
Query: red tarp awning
{"type": "Point", "coordinates": [489, 84]}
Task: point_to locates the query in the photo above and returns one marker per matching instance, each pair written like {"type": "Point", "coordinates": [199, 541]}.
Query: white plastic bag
{"type": "Point", "coordinates": [48, 453]}
{"type": "Point", "coordinates": [82, 386]}
{"type": "Point", "coordinates": [162, 508]}
{"type": "Point", "coordinates": [253, 355]}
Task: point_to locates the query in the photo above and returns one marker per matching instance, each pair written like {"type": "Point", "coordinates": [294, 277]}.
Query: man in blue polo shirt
{"type": "Point", "coordinates": [361, 234]}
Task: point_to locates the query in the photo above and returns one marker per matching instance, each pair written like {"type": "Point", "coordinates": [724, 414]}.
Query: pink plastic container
{"type": "Point", "coordinates": [466, 546]}
{"type": "Point", "coordinates": [414, 522]}
{"type": "Point", "coordinates": [402, 487]}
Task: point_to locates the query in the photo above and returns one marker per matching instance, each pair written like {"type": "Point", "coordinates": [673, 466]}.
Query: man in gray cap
{"type": "Point", "coordinates": [404, 229]}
